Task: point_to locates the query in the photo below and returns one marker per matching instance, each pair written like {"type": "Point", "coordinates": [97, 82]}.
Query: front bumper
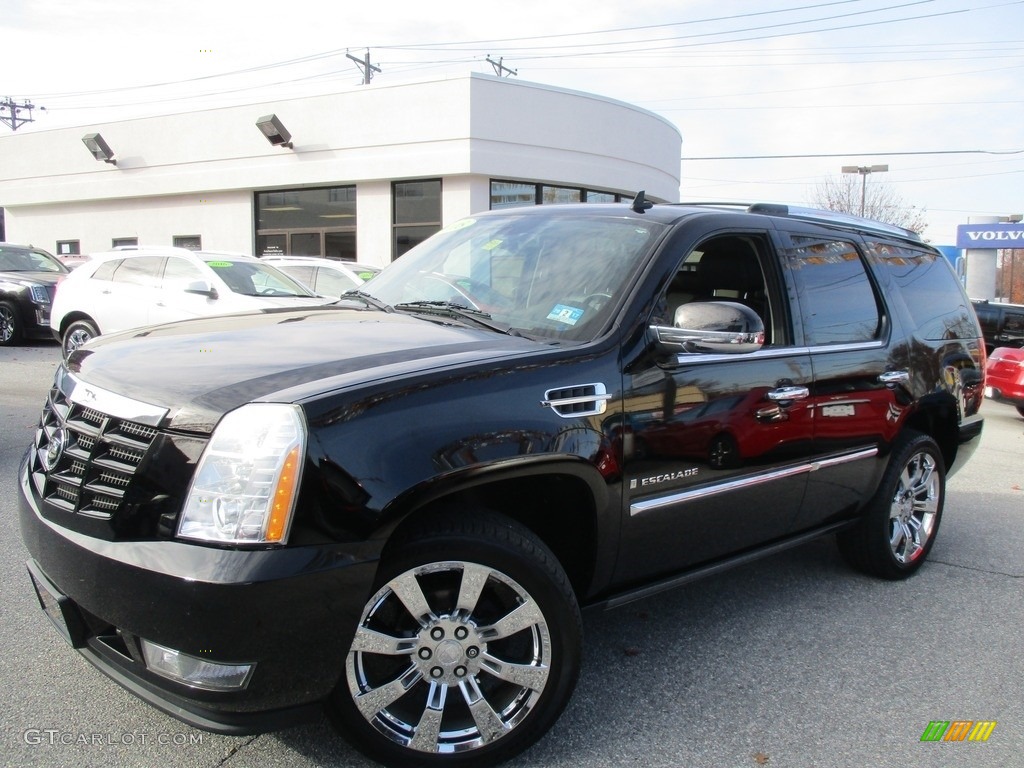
{"type": "Point", "coordinates": [290, 611]}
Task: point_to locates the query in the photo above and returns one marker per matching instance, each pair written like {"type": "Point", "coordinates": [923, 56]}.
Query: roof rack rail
{"type": "Point", "coordinates": [816, 215]}
{"type": "Point", "coordinates": [821, 216]}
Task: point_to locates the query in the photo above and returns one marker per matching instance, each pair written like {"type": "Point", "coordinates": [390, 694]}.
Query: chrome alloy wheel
{"type": "Point", "coordinates": [915, 506]}
{"type": "Point", "coordinates": [75, 339]}
{"type": "Point", "coordinates": [8, 323]}
{"type": "Point", "coordinates": [449, 657]}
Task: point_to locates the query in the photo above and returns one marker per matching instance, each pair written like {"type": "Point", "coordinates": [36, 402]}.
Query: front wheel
{"type": "Point", "coordinates": [468, 650]}
{"type": "Point", "coordinates": [898, 528]}
{"type": "Point", "coordinates": [10, 324]}
{"type": "Point", "coordinates": [77, 334]}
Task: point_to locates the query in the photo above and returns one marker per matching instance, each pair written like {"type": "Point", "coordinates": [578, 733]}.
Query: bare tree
{"type": "Point", "coordinates": [881, 201]}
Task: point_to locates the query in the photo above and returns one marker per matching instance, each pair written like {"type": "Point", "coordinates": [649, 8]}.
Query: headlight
{"type": "Point", "coordinates": [39, 294]}
{"type": "Point", "coordinates": [247, 480]}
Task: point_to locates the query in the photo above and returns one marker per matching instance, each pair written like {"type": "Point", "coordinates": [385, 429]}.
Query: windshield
{"type": "Point", "coordinates": [19, 260]}
{"type": "Point", "coordinates": [554, 277]}
{"type": "Point", "coordinates": [251, 278]}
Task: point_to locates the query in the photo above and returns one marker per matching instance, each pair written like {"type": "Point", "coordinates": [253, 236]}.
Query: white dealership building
{"type": "Point", "coordinates": [364, 173]}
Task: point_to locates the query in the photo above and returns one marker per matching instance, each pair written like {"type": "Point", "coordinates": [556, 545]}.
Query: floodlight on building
{"type": "Point", "coordinates": [99, 148]}
{"type": "Point", "coordinates": [275, 131]}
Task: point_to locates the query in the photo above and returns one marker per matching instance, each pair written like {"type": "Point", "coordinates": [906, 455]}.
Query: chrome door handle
{"type": "Point", "coordinates": [892, 378]}
{"type": "Point", "coordinates": [788, 393]}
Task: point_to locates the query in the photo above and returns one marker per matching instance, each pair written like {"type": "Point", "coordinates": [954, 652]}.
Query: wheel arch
{"type": "Point", "coordinates": [565, 502]}
{"type": "Point", "coordinates": [72, 317]}
{"type": "Point", "coordinates": [939, 418]}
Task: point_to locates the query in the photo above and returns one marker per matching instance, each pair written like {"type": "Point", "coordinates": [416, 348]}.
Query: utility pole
{"type": "Point", "coordinates": [499, 67]}
{"type": "Point", "coordinates": [364, 66]}
{"type": "Point", "coordinates": [10, 113]}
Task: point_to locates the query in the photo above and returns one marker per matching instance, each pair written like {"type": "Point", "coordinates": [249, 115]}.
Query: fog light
{"type": "Point", "coordinates": [198, 673]}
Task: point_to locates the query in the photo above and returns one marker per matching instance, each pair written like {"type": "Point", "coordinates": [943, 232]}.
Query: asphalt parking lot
{"type": "Point", "coordinates": [791, 661]}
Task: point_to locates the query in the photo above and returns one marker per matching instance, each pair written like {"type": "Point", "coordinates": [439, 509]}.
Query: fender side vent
{"type": "Point", "coordinates": [579, 400]}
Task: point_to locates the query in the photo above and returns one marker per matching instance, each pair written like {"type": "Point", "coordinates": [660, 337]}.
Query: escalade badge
{"type": "Point", "coordinates": [55, 450]}
{"type": "Point", "coordinates": [680, 474]}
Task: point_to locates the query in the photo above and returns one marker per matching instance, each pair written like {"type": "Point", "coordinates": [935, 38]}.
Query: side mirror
{"type": "Point", "coordinates": [202, 288]}
{"type": "Point", "coordinates": [719, 327]}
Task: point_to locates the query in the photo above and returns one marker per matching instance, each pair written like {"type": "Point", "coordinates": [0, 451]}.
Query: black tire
{"type": "Point", "coordinates": [76, 334]}
{"type": "Point", "coordinates": [11, 330]}
{"type": "Point", "coordinates": [1020, 410]}
{"type": "Point", "coordinates": [461, 650]}
{"type": "Point", "coordinates": [893, 538]}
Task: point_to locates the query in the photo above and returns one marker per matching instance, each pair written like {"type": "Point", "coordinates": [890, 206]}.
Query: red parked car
{"type": "Point", "coordinates": [1004, 377]}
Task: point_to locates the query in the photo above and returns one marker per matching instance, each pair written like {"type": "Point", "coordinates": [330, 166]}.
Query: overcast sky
{"type": "Point", "coordinates": [932, 88]}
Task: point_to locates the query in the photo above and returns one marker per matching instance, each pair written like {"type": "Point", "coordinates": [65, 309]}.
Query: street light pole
{"type": "Point", "coordinates": [864, 170]}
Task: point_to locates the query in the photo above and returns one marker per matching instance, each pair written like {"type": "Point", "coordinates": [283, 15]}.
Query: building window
{"type": "Point", "coordinates": [307, 222]}
{"type": "Point", "coordinates": [417, 213]}
{"type": "Point", "coordinates": [68, 247]}
{"type": "Point", "coordinates": [192, 242]}
{"type": "Point", "coordinates": [514, 194]}
{"type": "Point", "coordinates": [124, 242]}
{"type": "Point", "coordinates": [551, 195]}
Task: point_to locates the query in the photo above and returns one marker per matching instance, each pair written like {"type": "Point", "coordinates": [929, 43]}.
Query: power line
{"type": "Point", "coordinates": [865, 154]}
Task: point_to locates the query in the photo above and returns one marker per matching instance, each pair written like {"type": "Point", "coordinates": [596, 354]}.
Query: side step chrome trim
{"type": "Point", "coordinates": [639, 507]}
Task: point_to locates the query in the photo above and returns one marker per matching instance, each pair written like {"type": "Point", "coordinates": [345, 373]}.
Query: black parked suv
{"type": "Point", "coordinates": [395, 507]}
{"type": "Point", "coordinates": [1002, 325]}
{"type": "Point", "coordinates": [28, 281]}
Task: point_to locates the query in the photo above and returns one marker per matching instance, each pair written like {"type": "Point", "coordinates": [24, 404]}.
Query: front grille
{"type": "Point", "coordinates": [85, 458]}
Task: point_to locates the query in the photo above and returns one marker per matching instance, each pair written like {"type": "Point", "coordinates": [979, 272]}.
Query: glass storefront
{"type": "Point", "coordinates": [307, 222]}
{"type": "Point", "coordinates": [416, 207]}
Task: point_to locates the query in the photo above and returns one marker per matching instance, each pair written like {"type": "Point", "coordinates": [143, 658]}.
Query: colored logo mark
{"type": "Point", "coordinates": [958, 730]}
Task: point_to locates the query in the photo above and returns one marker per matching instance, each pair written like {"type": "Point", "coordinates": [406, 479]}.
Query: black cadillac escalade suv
{"type": "Point", "coordinates": [395, 507]}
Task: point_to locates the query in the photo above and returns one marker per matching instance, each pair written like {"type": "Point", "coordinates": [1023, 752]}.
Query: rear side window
{"type": "Point", "coordinates": [930, 290]}
{"type": "Point", "coordinates": [105, 271]}
{"type": "Point", "coordinates": [837, 300]}
{"type": "Point", "coordinates": [140, 270]}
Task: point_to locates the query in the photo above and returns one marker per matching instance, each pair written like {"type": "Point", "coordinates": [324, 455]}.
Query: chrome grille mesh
{"type": "Point", "coordinates": [84, 459]}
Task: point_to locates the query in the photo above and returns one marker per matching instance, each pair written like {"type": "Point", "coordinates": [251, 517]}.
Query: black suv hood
{"type": "Point", "coordinates": [200, 369]}
{"type": "Point", "coordinates": [39, 278]}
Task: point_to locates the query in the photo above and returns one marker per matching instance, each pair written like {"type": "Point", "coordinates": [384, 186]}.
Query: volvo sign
{"type": "Point", "coordinates": [990, 235]}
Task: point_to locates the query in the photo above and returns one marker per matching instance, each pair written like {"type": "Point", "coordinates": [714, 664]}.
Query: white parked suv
{"type": "Point", "coordinates": [328, 277]}
{"type": "Point", "coordinates": [130, 288]}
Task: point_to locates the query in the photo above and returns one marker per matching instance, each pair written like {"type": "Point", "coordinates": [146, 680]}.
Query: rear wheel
{"type": "Point", "coordinates": [468, 650]}
{"type": "Point", "coordinates": [77, 334]}
{"type": "Point", "coordinates": [10, 324]}
{"type": "Point", "coordinates": [898, 529]}
{"type": "Point", "coordinates": [1020, 410]}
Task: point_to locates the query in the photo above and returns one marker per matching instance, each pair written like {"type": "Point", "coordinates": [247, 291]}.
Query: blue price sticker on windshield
{"type": "Point", "coordinates": [564, 314]}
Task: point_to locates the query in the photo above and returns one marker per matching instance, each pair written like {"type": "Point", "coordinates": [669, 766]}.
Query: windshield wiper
{"type": "Point", "coordinates": [461, 312]}
{"type": "Point", "coordinates": [369, 300]}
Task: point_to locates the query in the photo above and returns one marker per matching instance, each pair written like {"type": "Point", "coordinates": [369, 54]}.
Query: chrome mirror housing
{"type": "Point", "coordinates": [718, 327]}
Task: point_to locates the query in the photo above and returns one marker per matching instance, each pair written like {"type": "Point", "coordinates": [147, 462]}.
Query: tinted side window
{"type": "Point", "coordinates": [1013, 325]}
{"type": "Point", "coordinates": [331, 283]}
{"type": "Point", "coordinates": [929, 288]}
{"type": "Point", "coordinates": [143, 270]}
{"type": "Point", "coordinates": [303, 274]}
{"type": "Point", "coordinates": [989, 319]}
{"type": "Point", "coordinates": [105, 271]}
{"type": "Point", "coordinates": [179, 273]}
{"type": "Point", "coordinates": [837, 300]}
